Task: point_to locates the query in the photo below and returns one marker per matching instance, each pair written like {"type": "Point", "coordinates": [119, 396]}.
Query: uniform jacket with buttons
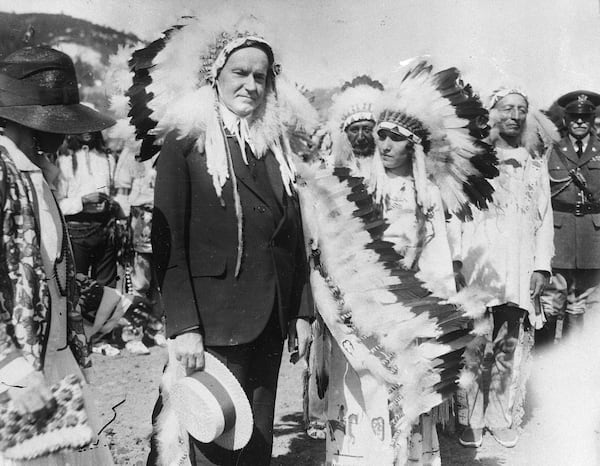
{"type": "Point", "coordinates": [576, 238]}
{"type": "Point", "coordinates": [195, 240]}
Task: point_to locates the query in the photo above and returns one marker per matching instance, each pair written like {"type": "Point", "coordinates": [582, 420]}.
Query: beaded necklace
{"type": "Point", "coordinates": [64, 255]}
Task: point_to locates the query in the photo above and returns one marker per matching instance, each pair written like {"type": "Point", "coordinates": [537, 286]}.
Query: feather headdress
{"type": "Point", "coordinates": [396, 321]}
{"type": "Point", "coordinates": [117, 79]}
{"type": "Point", "coordinates": [353, 103]}
{"type": "Point", "coordinates": [446, 122]}
{"type": "Point", "coordinates": [175, 89]}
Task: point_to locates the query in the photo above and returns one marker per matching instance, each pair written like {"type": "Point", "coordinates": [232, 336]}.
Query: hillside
{"type": "Point", "coordinates": [89, 44]}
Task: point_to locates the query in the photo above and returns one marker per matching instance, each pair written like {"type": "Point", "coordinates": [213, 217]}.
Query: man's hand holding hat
{"type": "Point", "coordinates": [188, 349]}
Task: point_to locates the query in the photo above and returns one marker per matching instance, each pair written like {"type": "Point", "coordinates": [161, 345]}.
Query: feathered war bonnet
{"type": "Point", "coordinates": [539, 132]}
{"type": "Point", "coordinates": [174, 89]}
{"type": "Point", "coordinates": [353, 103]}
{"type": "Point", "coordinates": [446, 123]}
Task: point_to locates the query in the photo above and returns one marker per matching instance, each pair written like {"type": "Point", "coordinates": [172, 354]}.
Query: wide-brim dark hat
{"type": "Point", "coordinates": [38, 89]}
{"type": "Point", "coordinates": [579, 102]}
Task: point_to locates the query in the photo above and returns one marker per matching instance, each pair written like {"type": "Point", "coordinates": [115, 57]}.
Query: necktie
{"type": "Point", "coordinates": [579, 145]}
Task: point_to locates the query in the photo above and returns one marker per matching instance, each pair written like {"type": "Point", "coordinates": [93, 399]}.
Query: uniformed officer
{"type": "Point", "coordinates": [574, 167]}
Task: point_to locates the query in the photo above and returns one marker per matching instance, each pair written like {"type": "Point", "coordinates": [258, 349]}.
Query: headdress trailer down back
{"type": "Point", "coordinates": [391, 321]}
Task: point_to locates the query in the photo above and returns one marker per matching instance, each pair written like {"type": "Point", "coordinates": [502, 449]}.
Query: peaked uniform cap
{"type": "Point", "coordinates": [579, 102]}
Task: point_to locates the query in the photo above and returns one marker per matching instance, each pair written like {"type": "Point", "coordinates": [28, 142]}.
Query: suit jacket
{"type": "Point", "coordinates": [195, 241]}
{"type": "Point", "coordinates": [576, 238]}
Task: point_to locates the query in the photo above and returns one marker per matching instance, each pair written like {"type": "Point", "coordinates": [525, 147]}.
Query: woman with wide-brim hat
{"type": "Point", "coordinates": [41, 328]}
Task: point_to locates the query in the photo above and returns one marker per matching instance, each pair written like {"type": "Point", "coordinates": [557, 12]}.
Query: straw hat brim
{"type": "Point", "coordinates": [59, 119]}
{"type": "Point", "coordinates": [187, 402]}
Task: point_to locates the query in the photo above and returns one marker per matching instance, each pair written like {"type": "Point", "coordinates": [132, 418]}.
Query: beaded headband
{"type": "Point", "coordinates": [360, 115]}
{"type": "Point", "coordinates": [499, 94]}
{"type": "Point", "coordinates": [215, 58]}
{"type": "Point", "coordinates": [404, 124]}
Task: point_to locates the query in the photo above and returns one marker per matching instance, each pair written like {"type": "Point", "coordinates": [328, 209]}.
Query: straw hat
{"type": "Point", "coordinates": [38, 89]}
{"type": "Point", "coordinates": [212, 406]}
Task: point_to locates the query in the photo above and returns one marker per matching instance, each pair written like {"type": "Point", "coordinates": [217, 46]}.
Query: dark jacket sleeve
{"type": "Point", "coordinates": [170, 236]}
{"type": "Point", "coordinates": [302, 289]}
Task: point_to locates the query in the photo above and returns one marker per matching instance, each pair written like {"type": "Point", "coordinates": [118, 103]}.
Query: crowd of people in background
{"type": "Point", "coordinates": [532, 249]}
{"type": "Point", "coordinates": [106, 197]}
{"type": "Point", "coordinates": [228, 232]}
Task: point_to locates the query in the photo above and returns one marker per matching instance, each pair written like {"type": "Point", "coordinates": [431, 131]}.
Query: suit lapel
{"type": "Point", "coordinates": [269, 195]}
{"type": "Point", "coordinates": [275, 178]}
{"type": "Point", "coordinates": [242, 171]}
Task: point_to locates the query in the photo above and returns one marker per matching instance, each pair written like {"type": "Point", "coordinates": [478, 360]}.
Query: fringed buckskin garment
{"type": "Point", "coordinates": [501, 249]}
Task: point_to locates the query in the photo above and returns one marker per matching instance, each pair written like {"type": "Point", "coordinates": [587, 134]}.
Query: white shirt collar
{"type": "Point", "coordinates": [21, 161]}
{"type": "Point", "coordinates": [239, 128]}
{"type": "Point", "coordinates": [230, 119]}
{"type": "Point", "coordinates": [584, 142]}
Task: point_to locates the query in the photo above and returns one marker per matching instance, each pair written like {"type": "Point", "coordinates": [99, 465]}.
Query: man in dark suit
{"type": "Point", "coordinates": [574, 167]}
{"type": "Point", "coordinates": [230, 252]}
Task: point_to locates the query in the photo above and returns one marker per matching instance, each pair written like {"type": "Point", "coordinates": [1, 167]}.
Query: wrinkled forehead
{"type": "Point", "coordinates": [512, 100]}
{"type": "Point", "coordinates": [248, 57]}
{"type": "Point", "coordinates": [361, 124]}
{"type": "Point", "coordinates": [234, 47]}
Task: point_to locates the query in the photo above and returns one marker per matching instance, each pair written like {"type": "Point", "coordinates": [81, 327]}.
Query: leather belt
{"type": "Point", "coordinates": [87, 217]}
{"type": "Point", "coordinates": [579, 209]}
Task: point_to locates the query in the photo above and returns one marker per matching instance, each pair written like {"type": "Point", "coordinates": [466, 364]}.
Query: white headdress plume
{"type": "Point", "coordinates": [116, 83]}
{"type": "Point", "coordinates": [118, 79]}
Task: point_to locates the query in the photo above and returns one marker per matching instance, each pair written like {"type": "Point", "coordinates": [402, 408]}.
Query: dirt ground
{"type": "Point", "coordinates": [132, 381]}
